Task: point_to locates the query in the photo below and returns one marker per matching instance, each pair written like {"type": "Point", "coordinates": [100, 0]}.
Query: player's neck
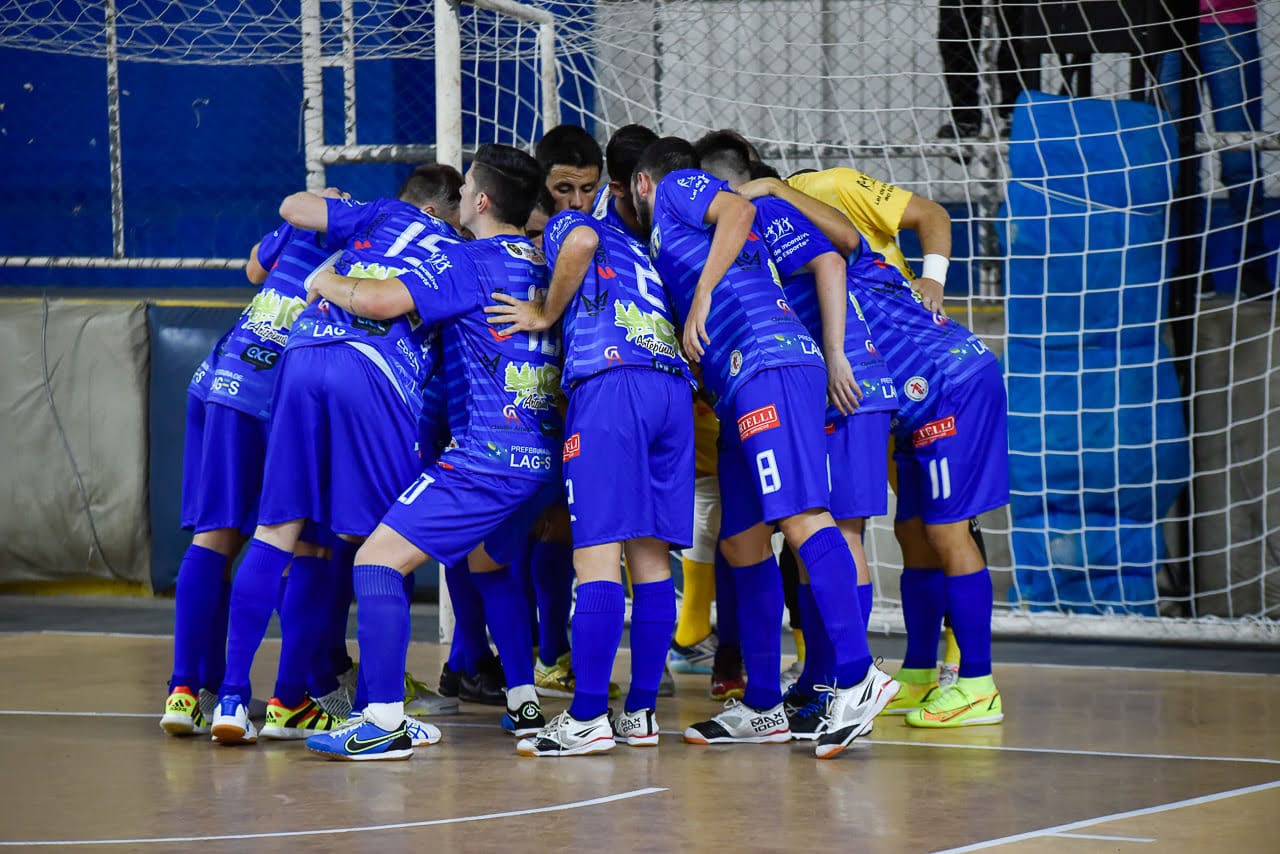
{"type": "Point", "coordinates": [485, 227]}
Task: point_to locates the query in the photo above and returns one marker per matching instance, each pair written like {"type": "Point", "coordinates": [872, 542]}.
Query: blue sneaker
{"type": "Point", "coordinates": [697, 658]}
{"type": "Point", "coordinates": [362, 740]}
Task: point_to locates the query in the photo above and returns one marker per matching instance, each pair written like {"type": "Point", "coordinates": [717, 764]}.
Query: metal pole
{"type": "Point", "coordinates": [312, 96]}
{"type": "Point", "coordinates": [113, 132]}
{"type": "Point", "coordinates": [349, 70]}
{"type": "Point", "coordinates": [448, 84]}
{"type": "Point", "coordinates": [548, 73]}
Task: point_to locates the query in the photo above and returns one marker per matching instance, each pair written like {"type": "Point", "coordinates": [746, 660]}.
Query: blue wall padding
{"type": "Point", "coordinates": [1098, 447]}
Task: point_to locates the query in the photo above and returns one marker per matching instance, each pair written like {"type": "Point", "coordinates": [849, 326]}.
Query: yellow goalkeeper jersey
{"type": "Point", "coordinates": [874, 207]}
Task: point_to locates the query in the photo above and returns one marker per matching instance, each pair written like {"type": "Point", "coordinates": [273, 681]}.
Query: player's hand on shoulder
{"type": "Point", "coordinates": [322, 279]}
{"type": "Point", "coordinates": [930, 291]}
{"type": "Point", "coordinates": [516, 315]}
{"type": "Point", "coordinates": [759, 187]}
{"type": "Point", "coordinates": [334, 193]}
{"type": "Point", "coordinates": [842, 386]}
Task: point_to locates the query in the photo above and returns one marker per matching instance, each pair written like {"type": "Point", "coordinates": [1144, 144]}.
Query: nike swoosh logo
{"type": "Point", "coordinates": [356, 745]}
{"type": "Point", "coordinates": [942, 717]}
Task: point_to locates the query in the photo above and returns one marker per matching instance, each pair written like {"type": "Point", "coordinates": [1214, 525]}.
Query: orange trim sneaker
{"type": "Point", "coordinates": [916, 688]}
{"type": "Point", "coordinates": [969, 702]}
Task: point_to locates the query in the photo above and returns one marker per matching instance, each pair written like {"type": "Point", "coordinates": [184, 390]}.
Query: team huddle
{"type": "Point", "coordinates": [502, 370]}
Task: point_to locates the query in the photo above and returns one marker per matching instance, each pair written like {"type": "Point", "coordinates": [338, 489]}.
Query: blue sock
{"type": "Point", "coordinates": [506, 608]}
{"type": "Point", "coordinates": [382, 629]}
{"type": "Point", "coordinates": [470, 640]}
{"type": "Point", "coordinates": [726, 603]}
{"type": "Point", "coordinates": [833, 576]}
{"type": "Point", "coordinates": [551, 567]}
{"type": "Point", "coordinates": [597, 631]}
{"type": "Point", "coordinates": [866, 599]}
{"type": "Point", "coordinates": [924, 602]}
{"type": "Point", "coordinates": [302, 619]}
{"type": "Point", "coordinates": [521, 567]}
{"type": "Point", "coordinates": [194, 612]}
{"type": "Point", "coordinates": [653, 622]}
{"type": "Point", "coordinates": [213, 662]}
{"type": "Point", "coordinates": [818, 654]}
{"type": "Point", "coordinates": [332, 653]}
{"type": "Point", "coordinates": [760, 603]}
{"type": "Point", "coordinates": [253, 597]}
{"type": "Point", "coordinates": [969, 604]}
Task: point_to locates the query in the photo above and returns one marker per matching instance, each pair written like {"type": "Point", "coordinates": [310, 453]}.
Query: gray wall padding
{"type": "Point", "coordinates": [97, 354]}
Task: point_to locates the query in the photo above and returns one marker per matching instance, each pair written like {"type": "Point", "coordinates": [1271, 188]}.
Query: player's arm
{"type": "Point", "coordinates": [310, 210]}
{"type": "Point", "coordinates": [567, 274]}
{"type": "Point", "coordinates": [254, 271]}
{"type": "Point", "coordinates": [376, 299]}
{"type": "Point", "coordinates": [829, 271]}
{"type": "Point", "coordinates": [831, 222]}
{"type": "Point", "coordinates": [731, 216]}
{"type": "Point", "coordinates": [932, 224]}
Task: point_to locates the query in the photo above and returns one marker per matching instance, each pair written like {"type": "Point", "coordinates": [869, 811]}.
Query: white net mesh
{"type": "Point", "coordinates": [1100, 241]}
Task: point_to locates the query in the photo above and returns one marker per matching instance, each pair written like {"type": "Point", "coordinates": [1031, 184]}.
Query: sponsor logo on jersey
{"type": "Point", "coordinates": [523, 250]}
{"type": "Point", "coordinates": [917, 388]}
{"type": "Point", "coordinates": [376, 328]}
{"type": "Point", "coordinates": [694, 184]}
{"type": "Point", "coordinates": [529, 458]}
{"type": "Point", "coordinates": [887, 389]}
{"type": "Point", "coordinates": [655, 242]}
{"type": "Point", "coordinates": [262, 358]}
{"type": "Point", "coordinates": [271, 310]}
{"type": "Point", "coordinates": [494, 451]}
{"type": "Point", "coordinates": [735, 363]}
{"type": "Point", "coordinates": [439, 262]}
{"type": "Point", "coordinates": [511, 414]}
{"type": "Point", "coordinates": [940, 319]}
{"type": "Point", "coordinates": [648, 329]}
{"type": "Point", "coordinates": [572, 446]}
{"type": "Point", "coordinates": [374, 270]}
{"type": "Point", "coordinates": [871, 347]}
{"type": "Point", "coordinates": [779, 229]}
{"type": "Point", "coordinates": [933, 431]}
{"type": "Point", "coordinates": [611, 355]}
{"type": "Point", "coordinates": [534, 386]}
{"type": "Point", "coordinates": [758, 421]}
{"type": "Point", "coordinates": [597, 305]}
{"type": "Point", "coordinates": [782, 304]}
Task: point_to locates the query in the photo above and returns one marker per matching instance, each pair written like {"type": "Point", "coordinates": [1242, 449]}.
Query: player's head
{"type": "Point", "coordinates": [434, 188]}
{"type": "Point", "coordinates": [543, 210]}
{"type": "Point", "coordinates": [726, 155]}
{"type": "Point", "coordinates": [620, 156]}
{"type": "Point", "coordinates": [657, 161]}
{"type": "Point", "coordinates": [571, 163]}
{"type": "Point", "coordinates": [763, 170]}
{"type": "Point", "coordinates": [501, 185]}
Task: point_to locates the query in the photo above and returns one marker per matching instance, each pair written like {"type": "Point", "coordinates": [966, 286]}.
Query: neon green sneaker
{"type": "Point", "coordinates": [969, 702]}
{"type": "Point", "coordinates": [919, 686]}
{"type": "Point", "coordinates": [557, 680]}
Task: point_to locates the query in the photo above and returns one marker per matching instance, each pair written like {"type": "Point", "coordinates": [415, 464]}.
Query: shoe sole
{"type": "Point", "coordinates": [180, 725]}
{"type": "Point", "coordinates": [831, 751]}
{"type": "Point", "coordinates": [231, 734]}
{"type": "Point", "coordinates": [638, 740]}
{"type": "Point", "coordinates": [592, 749]}
{"type": "Point", "coordinates": [989, 719]}
{"type": "Point", "coordinates": [390, 755]}
{"type": "Point", "coordinates": [287, 733]}
{"type": "Point", "coordinates": [771, 738]}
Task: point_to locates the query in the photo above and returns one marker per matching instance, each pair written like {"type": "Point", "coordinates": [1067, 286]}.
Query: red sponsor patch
{"type": "Point", "coordinates": [757, 421]}
{"type": "Point", "coordinates": [831, 428]}
{"type": "Point", "coordinates": [933, 431]}
{"type": "Point", "coordinates": [572, 446]}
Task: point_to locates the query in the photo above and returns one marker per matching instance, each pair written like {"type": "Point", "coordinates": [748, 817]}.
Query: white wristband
{"type": "Point", "coordinates": [935, 267]}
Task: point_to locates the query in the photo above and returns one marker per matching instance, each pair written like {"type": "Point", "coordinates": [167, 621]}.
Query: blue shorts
{"type": "Point", "coordinates": [775, 464]}
{"type": "Point", "coordinates": [858, 464]}
{"type": "Point", "coordinates": [222, 467]}
{"type": "Point", "coordinates": [342, 440]}
{"type": "Point", "coordinates": [628, 458]}
{"type": "Point", "coordinates": [448, 511]}
{"type": "Point", "coordinates": [957, 464]}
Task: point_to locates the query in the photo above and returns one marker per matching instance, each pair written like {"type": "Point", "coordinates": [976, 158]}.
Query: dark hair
{"type": "Point", "coordinates": [801, 172]}
{"type": "Point", "coordinates": [432, 182]}
{"type": "Point", "coordinates": [568, 145]}
{"type": "Point", "coordinates": [724, 153]}
{"type": "Point", "coordinates": [667, 155]}
{"type": "Point", "coordinates": [545, 202]}
{"type": "Point", "coordinates": [624, 149]}
{"type": "Point", "coordinates": [762, 170]}
{"type": "Point", "coordinates": [510, 178]}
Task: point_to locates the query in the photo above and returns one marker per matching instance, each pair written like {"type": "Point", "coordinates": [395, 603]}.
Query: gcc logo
{"type": "Point", "coordinates": [261, 358]}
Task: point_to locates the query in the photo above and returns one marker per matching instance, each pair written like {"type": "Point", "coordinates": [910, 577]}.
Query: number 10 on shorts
{"type": "Point", "coordinates": [767, 468]}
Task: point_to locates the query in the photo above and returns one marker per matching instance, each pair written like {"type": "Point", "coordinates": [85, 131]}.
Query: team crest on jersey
{"type": "Point", "coordinates": [779, 229]}
{"type": "Point", "coordinates": [655, 242]}
{"type": "Point", "coordinates": [648, 329]}
{"type": "Point", "coordinates": [933, 431]}
{"type": "Point", "coordinates": [917, 388]}
{"type": "Point", "coordinates": [524, 251]}
{"type": "Point", "coordinates": [694, 184]}
{"type": "Point", "coordinates": [534, 386]}
{"type": "Point", "coordinates": [572, 446]}
{"type": "Point", "coordinates": [439, 262]}
{"type": "Point", "coordinates": [757, 421]}
{"type": "Point", "coordinates": [735, 363]}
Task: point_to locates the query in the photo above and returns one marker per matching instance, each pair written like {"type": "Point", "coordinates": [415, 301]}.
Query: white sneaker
{"type": "Point", "coordinates": [421, 732]}
{"type": "Point", "coordinates": [637, 729]}
{"type": "Point", "coordinates": [738, 723]}
{"type": "Point", "coordinates": [231, 725]}
{"type": "Point", "coordinates": [851, 711]}
{"type": "Point", "coordinates": [567, 736]}
{"type": "Point", "coordinates": [791, 675]}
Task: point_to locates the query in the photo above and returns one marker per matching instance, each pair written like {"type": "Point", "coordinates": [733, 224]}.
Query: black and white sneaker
{"type": "Point", "coordinates": [524, 721]}
{"type": "Point", "coordinates": [852, 711]}
{"type": "Point", "coordinates": [741, 724]}
{"type": "Point", "coordinates": [637, 729]}
{"type": "Point", "coordinates": [806, 714]}
{"type": "Point", "coordinates": [568, 736]}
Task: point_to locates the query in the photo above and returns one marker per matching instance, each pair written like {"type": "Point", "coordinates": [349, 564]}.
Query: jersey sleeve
{"type": "Point", "coordinates": [686, 195]}
{"type": "Point", "coordinates": [792, 238]}
{"type": "Point", "coordinates": [871, 204]}
{"type": "Point", "coordinates": [557, 230]}
{"type": "Point", "coordinates": [346, 218]}
{"type": "Point", "coordinates": [442, 287]}
{"type": "Point", "coordinates": [274, 242]}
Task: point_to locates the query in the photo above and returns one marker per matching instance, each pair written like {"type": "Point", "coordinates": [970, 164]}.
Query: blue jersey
{"type": "Point", "coordinates": [621, 315]}
{"type": "Point", "coordinates": [245, 375]}
{"type": "Point", "coordinates": [750, 324]}
{"type": "Point", "coordinates": [605, 209]}
{"type": "Point", "coordinates": [502, 389]}
{"type": "Point", "coordinates": [202, 379]}
{"type": "Point", "coordinates": [927, 353]}
{"type": "Point", "coordinates": [795, 241]}
{"type": "Point", "coordinates": [380, 240]}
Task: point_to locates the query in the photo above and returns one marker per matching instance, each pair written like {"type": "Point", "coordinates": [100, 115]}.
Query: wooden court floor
{"type": "Point", "coordinates": [1088, 759]}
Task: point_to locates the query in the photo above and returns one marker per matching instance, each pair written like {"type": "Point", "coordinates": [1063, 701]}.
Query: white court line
{"type": "Point", "coordinates": [1102, 838]}
{"type": "Point", "coordinates": [1119, 816]}
{"type": "Point", "coordinates": [607, 799]}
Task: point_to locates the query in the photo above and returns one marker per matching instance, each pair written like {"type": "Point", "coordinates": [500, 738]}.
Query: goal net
{"type": "Point", "coordinates": [1110, 166]}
